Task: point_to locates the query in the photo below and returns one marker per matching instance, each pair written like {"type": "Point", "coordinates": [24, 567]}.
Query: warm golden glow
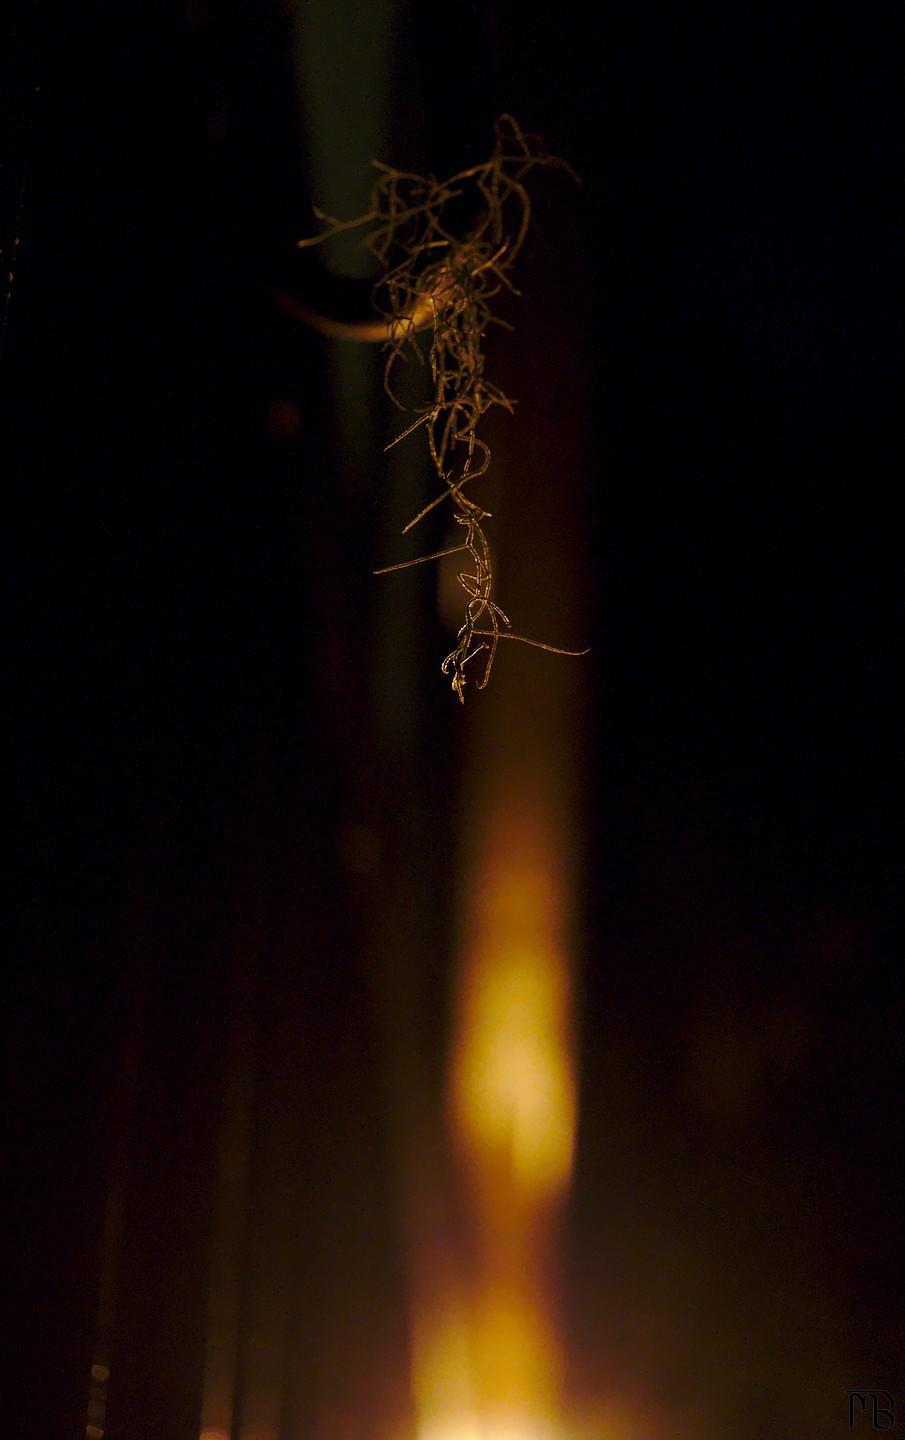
{"type": "Point", "coordinates": [513, 1089]}
{"type": "Point", "coordinates": [466, 1429]}
{"type": "Point", "coordinates": [494, 1374]}
{"type": "Point", "coordinates": [513, 1097]}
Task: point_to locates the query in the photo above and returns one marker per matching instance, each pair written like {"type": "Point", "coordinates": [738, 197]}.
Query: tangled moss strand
{"type": "Point", "coordinates": [435, 277]}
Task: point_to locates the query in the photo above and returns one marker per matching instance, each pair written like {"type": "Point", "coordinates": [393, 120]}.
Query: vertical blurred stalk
{"type": "Point", "coordinates": [344, 63]}
{"type": "Point", "coordinates": [19, 96]}
{"type": "Point", "coordinates": [120, 1166]}
{"type": "Point", "coordinates": [513, 1081]}
{"type": "Point", "coordinates": [219, 1386]}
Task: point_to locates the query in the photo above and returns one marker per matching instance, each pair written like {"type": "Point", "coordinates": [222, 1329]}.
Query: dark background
{"type": "Point", "coordinates": [204, 697]}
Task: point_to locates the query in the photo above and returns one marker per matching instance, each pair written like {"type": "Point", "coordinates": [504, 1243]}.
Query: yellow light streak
{"type": "Point", "coordinates": [513, 1098]}
{"type": "Point", "coordinates": [494, 1374]}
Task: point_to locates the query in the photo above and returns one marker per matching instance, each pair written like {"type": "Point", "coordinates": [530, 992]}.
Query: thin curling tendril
{"type": "Point", "coordinates": [435, 278]}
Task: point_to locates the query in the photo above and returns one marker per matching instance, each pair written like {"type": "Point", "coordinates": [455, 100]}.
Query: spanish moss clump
{"type": "Point", "coordinates": [445, 277]}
